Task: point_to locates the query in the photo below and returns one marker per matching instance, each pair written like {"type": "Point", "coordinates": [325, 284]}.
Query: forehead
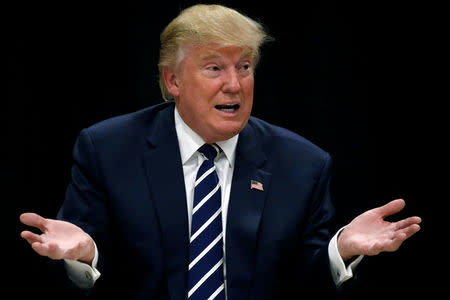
{"type": "Point", "coordinates": [210, 52]}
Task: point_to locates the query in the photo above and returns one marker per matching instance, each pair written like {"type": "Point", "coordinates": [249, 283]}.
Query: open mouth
{"type": "Point", "coordinates": [228, 107]}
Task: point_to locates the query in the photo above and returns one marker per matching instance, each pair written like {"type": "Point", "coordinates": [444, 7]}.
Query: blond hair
{"type": "Point", "coordinates": [202, 24]}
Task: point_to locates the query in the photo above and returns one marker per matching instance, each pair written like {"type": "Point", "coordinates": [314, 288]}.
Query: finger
{"type": "Point", "coordinates": [375, 248]}
{"type": "Point", "coordinates": [407, 222]}
{"type": "Point", "coordinates": [392, 245]}
{"type": "Point", "coordinates": [31, 237]}
{"type": "Point", "coordinates": [390, 208]}
{"type": "Point", "coordinates": [399, 237]}
{"type": "Point", "coordinates": [50, 250]}
{"type": "Point", "coordinates": [407, 232]}
{"type": "Point", "coordinates": [35, 220]}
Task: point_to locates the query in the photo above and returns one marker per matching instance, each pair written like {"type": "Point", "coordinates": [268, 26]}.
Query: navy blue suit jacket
{"type": "Point", "coordinates": [127, 191]}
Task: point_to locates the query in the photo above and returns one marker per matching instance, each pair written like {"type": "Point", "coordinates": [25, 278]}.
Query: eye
{"type": "Point", "coordinates": [245, 69]}
{"type": "Point", "coordinates": [214, 68]}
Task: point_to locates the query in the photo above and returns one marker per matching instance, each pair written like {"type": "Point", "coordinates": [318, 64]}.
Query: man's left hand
{"type": "Point", "coordinates": [370, 234]}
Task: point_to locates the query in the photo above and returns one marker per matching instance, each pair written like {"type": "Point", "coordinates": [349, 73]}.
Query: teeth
{"type": "Point", "coordinates": [227, 107]}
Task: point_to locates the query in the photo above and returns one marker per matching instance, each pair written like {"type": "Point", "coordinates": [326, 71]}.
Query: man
{"type": "Point", "coordinates": [133, 218]}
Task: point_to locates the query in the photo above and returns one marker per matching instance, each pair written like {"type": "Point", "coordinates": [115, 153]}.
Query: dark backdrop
{"type": "Point", "coordinates": [351, 77]}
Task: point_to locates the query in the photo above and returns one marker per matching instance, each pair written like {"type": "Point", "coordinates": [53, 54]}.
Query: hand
{"type": "Point", "coordinates": [59, 239]}
{"type": "Point", "coordinates": [370, 234]}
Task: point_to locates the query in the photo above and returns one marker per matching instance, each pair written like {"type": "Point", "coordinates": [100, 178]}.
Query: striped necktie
{"type": "Point", "coordinates": [205, 276]}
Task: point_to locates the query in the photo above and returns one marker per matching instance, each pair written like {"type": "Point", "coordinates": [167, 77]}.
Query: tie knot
{"type": "Point", "coordinates": [210, 151]}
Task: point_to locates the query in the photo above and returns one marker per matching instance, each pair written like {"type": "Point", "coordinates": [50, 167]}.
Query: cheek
{"type": "Point", "coordinates": [248, 87]}
{"type": "Point", "coordinates": [201, 89]}
{"type": "Point", "coordinates": [248, 84]}
{"type": "Point", "coordinates": [210, 88]}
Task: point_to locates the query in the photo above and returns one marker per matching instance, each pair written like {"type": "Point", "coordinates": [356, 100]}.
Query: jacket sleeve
{"type": "Point", "coordinates": [314, 264]}
{"type": "Point", "coordinates": [85, 202]}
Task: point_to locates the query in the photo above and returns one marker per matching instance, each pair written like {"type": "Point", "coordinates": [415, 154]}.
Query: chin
{"type": "Point", "coordinates": [225, 133]}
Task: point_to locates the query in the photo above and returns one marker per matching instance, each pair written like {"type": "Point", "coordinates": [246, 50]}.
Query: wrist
{"type": "Point", "coordinates": [343, 247]}
{"type": "Point", "coordinates": [88, 253]}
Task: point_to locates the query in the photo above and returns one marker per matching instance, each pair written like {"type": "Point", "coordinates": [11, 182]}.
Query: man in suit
{"type": "Point", "coordinates": [131, 219]}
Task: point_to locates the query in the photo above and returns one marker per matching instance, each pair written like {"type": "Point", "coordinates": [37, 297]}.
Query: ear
{"type": "Point", "coordinates": [171, 81]}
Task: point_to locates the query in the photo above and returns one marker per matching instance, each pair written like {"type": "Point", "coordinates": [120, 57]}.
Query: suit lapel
{"type": "Point", "coordinates": [244, 213]}
{"type": "Point", "coordinates": [166, 182]}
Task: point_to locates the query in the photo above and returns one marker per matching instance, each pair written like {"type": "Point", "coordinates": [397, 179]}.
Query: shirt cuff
{"type": "Point", "coordinates": [339, 272]}
{"type": "Point", "coordinates": [82, 274]}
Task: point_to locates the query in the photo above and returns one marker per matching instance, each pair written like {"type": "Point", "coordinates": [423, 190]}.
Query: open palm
{"type": "Point", "coordinates": [59, 239]}
{"type": "Point", "coordinates": [370, 234]}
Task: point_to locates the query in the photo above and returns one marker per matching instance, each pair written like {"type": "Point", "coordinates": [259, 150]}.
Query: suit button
{"type": "Point", "coordinates": [88, 275]}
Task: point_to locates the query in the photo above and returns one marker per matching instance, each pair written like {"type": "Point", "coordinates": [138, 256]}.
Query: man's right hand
{"type": "Point", "coordinates": [59, 239]}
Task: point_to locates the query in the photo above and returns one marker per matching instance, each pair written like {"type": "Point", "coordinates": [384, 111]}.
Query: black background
{"type": "Point", "coordinates": [357, 79]}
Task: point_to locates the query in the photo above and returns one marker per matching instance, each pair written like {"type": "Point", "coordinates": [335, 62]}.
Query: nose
{"type": "Point", "coordinates": [231, 82]}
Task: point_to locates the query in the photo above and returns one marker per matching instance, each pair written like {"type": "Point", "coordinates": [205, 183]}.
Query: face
{"type": "Point", "coordinates": [213, 90]}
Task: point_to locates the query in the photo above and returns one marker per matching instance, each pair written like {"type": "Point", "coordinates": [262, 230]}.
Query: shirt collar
{"type": "Point", "coordinates": [190, 141]}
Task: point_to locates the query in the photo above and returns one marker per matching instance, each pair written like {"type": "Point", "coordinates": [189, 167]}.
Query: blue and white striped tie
{"type": "Point", "coordinates": [205, 276]}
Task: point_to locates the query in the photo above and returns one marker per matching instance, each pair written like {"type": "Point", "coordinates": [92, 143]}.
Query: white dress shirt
{"type": "Point", "coordinates": [84, 275]}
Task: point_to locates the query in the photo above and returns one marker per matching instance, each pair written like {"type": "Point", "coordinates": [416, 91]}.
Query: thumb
{"type": "Point", "coordinates": [391, 208]}
{"type": "Point", "coordinates": [35, 220]}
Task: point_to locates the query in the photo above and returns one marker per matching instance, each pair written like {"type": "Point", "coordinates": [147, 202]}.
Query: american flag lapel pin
{"type": "Point", "coordinates": [256, 185]}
